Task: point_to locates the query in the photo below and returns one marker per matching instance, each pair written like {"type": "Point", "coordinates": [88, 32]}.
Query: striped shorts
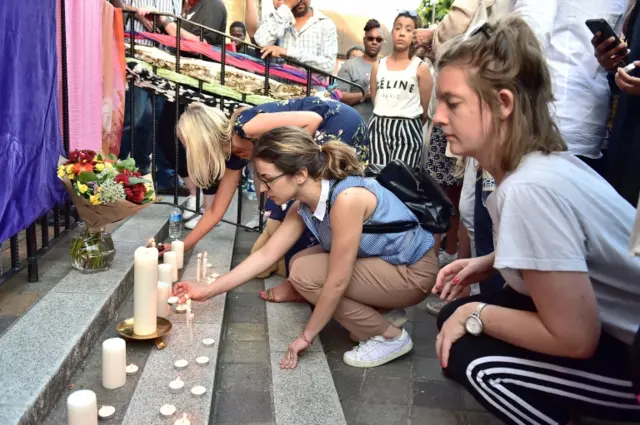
{"type": "Point", "coordinates": [396, 138]}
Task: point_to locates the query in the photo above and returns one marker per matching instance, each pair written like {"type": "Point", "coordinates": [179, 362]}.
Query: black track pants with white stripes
{"type": "Point", "coordinates": [527, 388]}
{"type": "Point", "coordinates": [396, 138]}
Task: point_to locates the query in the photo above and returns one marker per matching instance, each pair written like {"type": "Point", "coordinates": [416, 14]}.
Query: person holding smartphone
{"type": "Point", "coordinates": [623, 156]}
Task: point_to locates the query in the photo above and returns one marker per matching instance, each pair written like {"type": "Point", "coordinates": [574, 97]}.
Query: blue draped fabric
{"type": "Point", "coordinates": [30, 141]}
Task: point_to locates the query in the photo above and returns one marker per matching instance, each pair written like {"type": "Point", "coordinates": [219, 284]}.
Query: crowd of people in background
{"type": "Point", "coordinates": [523, 115]}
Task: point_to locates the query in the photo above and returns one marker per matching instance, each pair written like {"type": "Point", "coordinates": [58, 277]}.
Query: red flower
{"type": "Point", "coordinates": [122, 178]}
{"type": "Point", "coordinates": [135, 193]}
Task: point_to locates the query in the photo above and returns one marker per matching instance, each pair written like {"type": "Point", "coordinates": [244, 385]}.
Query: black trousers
{"type": "Point", "coordinates": [167, 143]}
{"type": "Point", "coordinates": [523, 387]}
{"type": "Point", "coordinates": [483, 228]}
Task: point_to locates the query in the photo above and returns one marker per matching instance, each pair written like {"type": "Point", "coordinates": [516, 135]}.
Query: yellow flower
{"type": "Point", "coordinates": [99, 167]}
{"type": "Point", "coordinates": [61, 172]}
{"type": "Point", "coordinates": [69, 168]}
{"type": "Point", "coordinates": [82, 188]}
{"type": "Point", "coordinates": [95, 199]}
{"type": "Point", "coordinates": [72, 176]}
{"type": "Point", "coordinates": [108, 165]}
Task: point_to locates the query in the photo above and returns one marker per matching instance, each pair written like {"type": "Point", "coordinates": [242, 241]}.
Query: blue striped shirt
{"type": "Point", "coordinates": [395, 248]}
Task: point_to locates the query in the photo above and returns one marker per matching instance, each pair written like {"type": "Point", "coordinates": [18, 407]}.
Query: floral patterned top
{"type": "Point", "coordinates": [340, 121]}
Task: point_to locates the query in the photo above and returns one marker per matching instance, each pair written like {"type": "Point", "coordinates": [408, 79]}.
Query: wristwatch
{"type": "Point", "coordinates": [473, 324]}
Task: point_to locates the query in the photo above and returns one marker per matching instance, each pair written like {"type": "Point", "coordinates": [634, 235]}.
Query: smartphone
{"type": "Point", "coordinates": [601, 26]}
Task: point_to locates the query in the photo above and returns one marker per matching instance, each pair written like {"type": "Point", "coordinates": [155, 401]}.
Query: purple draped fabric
{"type": "Point", "coordinates": [30, 142]}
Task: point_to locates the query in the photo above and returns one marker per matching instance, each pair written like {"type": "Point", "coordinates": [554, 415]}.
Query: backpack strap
{"type": "Point", "coordinates": [381, 228]}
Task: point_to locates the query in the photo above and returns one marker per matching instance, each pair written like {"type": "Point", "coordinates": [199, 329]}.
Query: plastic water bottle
{"type": "Point", "coordinates": [175, 223]}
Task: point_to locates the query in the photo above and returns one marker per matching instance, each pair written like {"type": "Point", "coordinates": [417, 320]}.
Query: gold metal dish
{"type": "Point", "coordinates": [125, 329]}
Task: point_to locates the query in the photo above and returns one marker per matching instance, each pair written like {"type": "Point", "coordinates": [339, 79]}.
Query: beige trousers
{"type": "Point", "coordinates": [375, 285]}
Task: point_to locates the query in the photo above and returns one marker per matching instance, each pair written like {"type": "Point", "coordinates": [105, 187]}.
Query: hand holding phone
{"type": "Point", "coordinates": [610, 51]}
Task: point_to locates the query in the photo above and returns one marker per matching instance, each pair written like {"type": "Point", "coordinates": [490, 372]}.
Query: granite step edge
{"type": "Point", "coordinates": [33, 409]}
{"type": "Point", "coordinates": [306, 395]}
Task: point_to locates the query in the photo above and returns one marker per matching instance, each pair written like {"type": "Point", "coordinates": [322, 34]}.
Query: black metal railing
{"type": "Point", "coordinates": [69, 217]}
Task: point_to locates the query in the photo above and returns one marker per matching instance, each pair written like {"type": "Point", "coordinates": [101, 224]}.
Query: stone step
{"type": "Point", "coordinates": [43, 349]}
{"type": "Point", "coordinates": [307, 394]}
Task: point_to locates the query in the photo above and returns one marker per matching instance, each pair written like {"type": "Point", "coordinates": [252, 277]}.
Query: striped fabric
{"type": "Point", "coordinates": [164, 6]}
{"type": "Point", "coordinates": [395, 248]}
{"type": "Point", "coordinates": [396, 138]}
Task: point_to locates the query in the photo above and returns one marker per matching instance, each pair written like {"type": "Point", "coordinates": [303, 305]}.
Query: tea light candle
{"type": "Point", "coordinates": [82, 408]}
{"type": "Point", "coordinates": [181, 309]}
{"type": "Point", "coordinates": [178, 248]}
{"type": "Point", "coordinates": [164, 309]}
{"type": "Point", "coordinates": [183, 420]}
{"type": "Point", "coordinates": [181, 364]}
{"type": "Point", "coordinates": [173, 300]}
{"type": "Point", "coordinates": [198, 267]}
{"type": "Point", "coordinates": [202, 361]}
{"type": "Point", "coordinates": [132, 369]}
{"type": "Point", "coordinates": [208, 342]}
{"type": "Point", "coordinates": [165, 273]}
{"type": "Point", "coordinates": [145, 291]}
{"type": "Point", "coordinates": [198, 391]}
{"type": "Point", "coordinates": [152, 243]}
{"type": "Point", "coordinates": [106, 412]}
{"type": "Point", "coordinates": [171, 257]}
{"type": "Point", "coordinates": [114, 363]}
{"type": "Point", "coordinates": [176, 386]}
{"type": "Point", "coordinates": [167, 410]}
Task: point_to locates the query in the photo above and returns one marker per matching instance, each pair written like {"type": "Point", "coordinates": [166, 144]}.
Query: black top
{"type": "Point", "coordinates": [210, 13]}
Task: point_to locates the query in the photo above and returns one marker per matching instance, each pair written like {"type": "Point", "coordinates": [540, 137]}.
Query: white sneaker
{"type": "Point", "coordinates": [445, 258]}
{"type": "Point", "coordinates": [378, 351]}
{"type": "Point", "coordinates": [191, 204]}
{"type": "Point", "coordinates": [398, 317]}
{"type": "Point", "coordinates": [191, 224]}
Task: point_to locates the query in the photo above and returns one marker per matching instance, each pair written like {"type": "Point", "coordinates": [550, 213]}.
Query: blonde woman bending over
{"type": "Point", "coordinates": [217, 149]}
{"type": "Point", "coordinates": [350, 276]}
{"type": "Point", "coordinates": [555, 343]}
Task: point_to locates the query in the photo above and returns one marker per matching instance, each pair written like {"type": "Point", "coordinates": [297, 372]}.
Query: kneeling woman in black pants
{"type": "Point", "coordinates": [555, 343]}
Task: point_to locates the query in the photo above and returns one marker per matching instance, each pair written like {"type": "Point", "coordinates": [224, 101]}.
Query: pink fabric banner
{"type": "Point", "coordinates": [84, 71]}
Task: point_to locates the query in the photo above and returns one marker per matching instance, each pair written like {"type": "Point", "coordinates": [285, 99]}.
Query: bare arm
{"type": "Point", "coordinates": [282, 240]}
{"type": "Point", "coordinates": [425, 84]}
{"type": "Point", "coordinates": [351, 207]}
{"type": "Point", "coordinates": [567, 323]}
{"type": "Point", "coordinates": [172, 29]}
{"type": "Point", "coordinates": [217, 210]}
{"type": "Point", "coordinates": [261, 123]}
{"type": "Point", "coordinates": [348, 97]}
{"type": "Point", "coordinates": [373, 85]}
{"type": "Point", "coordinates": [251, 17]}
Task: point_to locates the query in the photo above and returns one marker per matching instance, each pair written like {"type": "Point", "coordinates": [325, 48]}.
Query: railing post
{"type": "Point", "coordinates": [308, 82]}
{"type": "Point", "coordinates": [32, 251]}
{"type": "Point", "coordinates": [154, 124]}
{"type": "Point", "coordinates": [177, 100]}
{"type": "Point", "coordinates": [267, 71]}
{"type": "Point", "coordinates": [132, 98]}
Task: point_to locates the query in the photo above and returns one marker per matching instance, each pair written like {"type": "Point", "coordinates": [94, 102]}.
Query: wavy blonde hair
{"type": "Point", "coordinates": [505, 54]}
{"type": "Point", "coordinates": [205, 132]}
{"type": "Point", "coordinates": [292, 149]}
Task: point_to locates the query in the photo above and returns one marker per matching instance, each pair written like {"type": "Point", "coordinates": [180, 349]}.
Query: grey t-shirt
{"type": "Point", "coordinates": [554, 213]}
{"type": "Point", "coordinates": [212, 14]}
{"type": "Point", "coordinates": [358, 71]}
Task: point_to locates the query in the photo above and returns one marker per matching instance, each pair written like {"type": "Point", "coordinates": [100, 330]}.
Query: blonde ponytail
{"type": "Point", "coordinates": [340, 161]}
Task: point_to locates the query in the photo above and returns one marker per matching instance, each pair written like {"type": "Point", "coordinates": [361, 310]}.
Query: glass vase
{"type": "Point", "coordinates": [92, 251]}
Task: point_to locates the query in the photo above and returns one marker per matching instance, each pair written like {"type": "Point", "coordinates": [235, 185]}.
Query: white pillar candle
{"type": "Point", "coordinates": [164, 291]}
{"type": "Point", "coordinates": [170, 257]}
{"type": "Point", "coordinates": [145, 291]}
{"type": "Point", "coordinates": [198, 267]}
{"type": "Point", "coordinates": [165, 273]}
{"type": "Point", "coordinates": [114, 363]}
{"type": "Point", "coordinates": [178, 248]}
{"type": "Point", "coordinates": [82, 408]}
{"type": "Point", "coordinates": [205, 267]}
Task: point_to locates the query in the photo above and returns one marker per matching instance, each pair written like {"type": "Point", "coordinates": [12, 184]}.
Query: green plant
{"type": "Point", "coordinates": [92, 251]}
{"type": "Point", "coordinates": [425, 10]}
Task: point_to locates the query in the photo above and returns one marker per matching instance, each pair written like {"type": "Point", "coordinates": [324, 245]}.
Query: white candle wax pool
{"type": "Point", "coordinates": [145, 291]}
{"type": "Point", "coordinates": [178, 248]}
{"type": "Point", "coordinates": [176, 386]}
{"type": "Point", "coordinates": [114, 363]}
{"type": "Point", "coordinates": [181, 364]}
{"type": "Point", "coordinates": [198, 391]}
{"type": "Point", "coordinates": [202, 361]}
{"type": "Point", "coordinates": [208, 342]}
{"type": "Point", "coordinates": [132, 369]}
{"type": "Point", "coordinates": [106, 412]}
{"type": "Point", "coordinates": [82, 408]}
{"type": "Point", "coordinates": [164, 309]}
{"type": "Point", "coordinates": [168, 410]}
{"type": "Point", "coordinates": [171, 257]}
{"type": "Point", "coordinates": [165, 273]}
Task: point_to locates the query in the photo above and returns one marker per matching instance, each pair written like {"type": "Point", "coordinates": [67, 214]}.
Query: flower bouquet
{"type": "Point", "coordinates": [104, 190]}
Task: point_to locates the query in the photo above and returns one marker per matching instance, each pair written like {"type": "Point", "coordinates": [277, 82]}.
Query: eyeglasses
{"type": "Point", "coordinates": [270, 181]}
{"type": "Point", "coordinates": [371, 39]}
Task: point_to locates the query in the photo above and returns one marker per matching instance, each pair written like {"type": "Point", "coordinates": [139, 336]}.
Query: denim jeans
{"type": "Point", "coordinates": [143, 140]}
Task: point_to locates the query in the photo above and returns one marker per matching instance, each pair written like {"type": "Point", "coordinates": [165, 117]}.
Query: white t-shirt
{"type": "Point", "coordinates": [554, 213]}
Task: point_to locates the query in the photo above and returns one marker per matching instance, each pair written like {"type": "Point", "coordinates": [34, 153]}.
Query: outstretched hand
{"type": "Point", "coordinates": [455, 277]}
{"type": "Point", "coordinates": [195, 291]}
{"type": "Point", "coordinates": [296, 348]}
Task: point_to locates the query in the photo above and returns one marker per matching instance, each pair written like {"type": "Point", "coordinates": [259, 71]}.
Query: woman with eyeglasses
{"type": "Point", "coordinates": [555, 343]}
{"type": "Point", "coordinates": [401, 88]}
{"type": "Point", "coordinates": [351, 276]}
{"type": "Point", "coordinates": [218, 148]}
